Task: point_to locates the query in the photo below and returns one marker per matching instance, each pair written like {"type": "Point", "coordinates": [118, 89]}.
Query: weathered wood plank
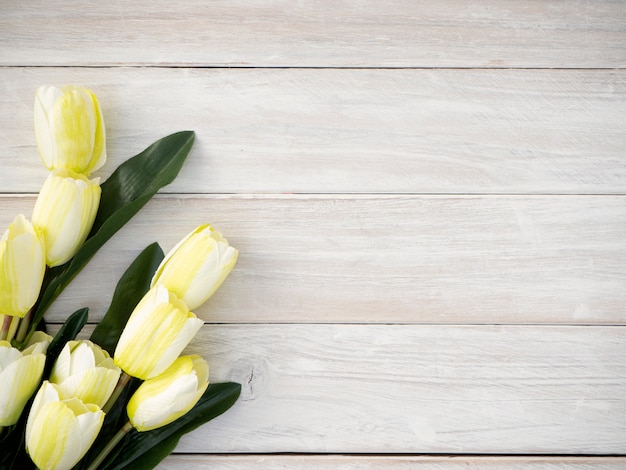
{"type": "Point", "coordinates": [399, 131]}
{"type": "Point", "coordinates": [399, 33]}
{"type": "Point", "coordinates": [323, 462]}
{"type": "Point", "coordinates": [416, 389]}
{"type": "Point", "coordinates": [515, 259]}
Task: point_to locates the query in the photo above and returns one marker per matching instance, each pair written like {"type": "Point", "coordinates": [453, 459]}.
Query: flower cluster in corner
{"type": "Point", "coordinates": [57, 404]}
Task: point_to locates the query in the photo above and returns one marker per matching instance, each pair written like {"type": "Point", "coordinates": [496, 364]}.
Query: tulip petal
{"type": "Point", "coordinates": [65, 211]}
{"type": "Point", "coordinates": [84, 371]}
{"type": "Point", "coordinates": [165, 398]}
{"type": "Point", "coordinates": [61, 369]}
{"type": "Point", "coordinates": [18, 382]}
{"type": "Point", "coordinates": [90, 424]}
{"type": "Point", "coordinates": [72, 127]}
{"type": "Point", "coordinates": [99, 141]}
{"type": "Point", "coordinates": [62, 432]}
{"type": "Point", "coordinates": [196, 267]}
{"type": "Point", "coordinates": [69, 129]}
{"type": "Point", "coordinates": [59, 432]}
{"type": "Point", "coordinates": [178, 344]}
{"type": "Point", "coordinates": [21, 268]}
{"type": "Point", "coordinates": [157, 331]}
{"type": "Point", "coordinates": [47, 393]}
{"type": "Point", "coordinates": [44, 100]}
{"type": "Point", "coordinates": [83, 358]}
{"type": "Point", "coordinates": [52, 438]}
{"type": "Point", "coordinates": [8, 355]}
{"type": "Point", "coordinates": [97, 385]}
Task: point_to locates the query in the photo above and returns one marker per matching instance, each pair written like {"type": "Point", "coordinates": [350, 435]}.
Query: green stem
{"type": "Point", "coordinates": [24, 324]}
{"type": "Point", "coordinates": [6, 326]}
{"type": "Point", "coordinates": [110, 446]}
{"type": "Point", "coordinates": [117, 391]}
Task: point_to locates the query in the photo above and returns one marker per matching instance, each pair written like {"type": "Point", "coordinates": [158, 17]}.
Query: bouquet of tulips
{"type": "Point", "coordinates": [124, 397]}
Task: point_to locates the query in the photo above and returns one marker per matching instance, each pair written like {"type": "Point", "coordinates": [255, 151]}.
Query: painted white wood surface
{"type": "Point", "coordinates": [484, 195]}
{"type": "Point", "coordinates": [398, 131]}
{"type": "Point", "coordinates": [416, 389]}
{"type": "Point", "coordinates": [396, 33]}
{"type": "Point", "coordinates": [445, 259]}
{"type": "Point", "coordinates": [321, 462]}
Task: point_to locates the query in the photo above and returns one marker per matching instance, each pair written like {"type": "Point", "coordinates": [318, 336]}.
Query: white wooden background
{"type": "Point", "coordinates": [429, 199]}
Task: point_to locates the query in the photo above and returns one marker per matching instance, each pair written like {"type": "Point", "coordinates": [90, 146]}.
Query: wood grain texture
{"type": "Point", "coordinates": [325, 462]}
{"type": "Point", "coordinates": [356, 131]}
{"type": "Point", "coordinates": [416, 389]}
{"type": "Point", "coordinates": [321, 259]}
{"type": "Point", "coordinates": [398, 33]}
{"type": "Point", "coordinates": [449, 166]}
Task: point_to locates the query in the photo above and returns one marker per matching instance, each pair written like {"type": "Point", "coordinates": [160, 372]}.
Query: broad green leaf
{"type": "Point", "coordinates": [124, 193]}
{"type": "Point", "coordinates": [130, 289]}
{"type": "Point", "coordinates": [144, 450]}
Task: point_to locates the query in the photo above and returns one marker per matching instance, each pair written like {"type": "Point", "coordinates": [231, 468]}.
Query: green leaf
{"type": "Point", "coordinates": [144, 450]}
{"type": "Point", "coordinates": [130, 289]}
{"type": "Point", "coordinates": [124, 193]}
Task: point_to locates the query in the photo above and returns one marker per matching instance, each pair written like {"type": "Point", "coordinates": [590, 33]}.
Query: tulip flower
{"type": "Point", "coordinates": [65, 211]}
{"type": "Point", "coordinates": [196, 267]}
{"type": "Point", "coordinates": [85, 371]}
{"type": "Point", "coordinates": [69, 129]}
{"type": "Point", "coordinates": [22, 267]}
{"type": "Point", "coordinates": [157, 331]}
{"type": "Point", "coordinates": [60, 431]}
{"type": "Point", "coordinates": [20, 375]}
{"type": "Point", "coordinates": [167, 397]}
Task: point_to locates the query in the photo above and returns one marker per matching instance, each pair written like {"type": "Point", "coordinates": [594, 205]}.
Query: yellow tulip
{"type": "Point", "coordinates": [69, 129]}
{"type": "Point", "coordinates": [22, 267]}
{"type": "Point", "coordinates": [60, 431]}
{"type": "Point", "coordinates": [196, 267]}
{"type": "Point", "coordinates": [64, 212]}
{"type": "Point", "coordinates": [167, 397]}
{"type": "Point", "coordinates": [85, 371]}
{"type": "Point", "coordinates": [157, 331]}
{"type": "Point", "coordinates": [20, 374]}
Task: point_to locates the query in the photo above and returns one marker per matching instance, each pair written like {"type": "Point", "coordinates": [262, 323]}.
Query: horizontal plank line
{"type": "Point", "coordinates": [298, 67]}
{"type": "Point", "coordinates": [435, 455]}
{"type": "Point", "coordinates": [347, 195]}
{"type": "Point", "coordinates": [409, 462]}
{"type": "Point", "coordinates": [391, 324]}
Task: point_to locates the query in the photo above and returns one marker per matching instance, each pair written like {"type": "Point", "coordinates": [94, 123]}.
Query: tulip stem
{"type": "Point", "coordinates": [110, 446]}
{"type": "Point", "coordinates": [117, 391]}
{"type": "Point", "coordinates": [6, 326]}
{"type": "Point", "coordinates": [24, 324]}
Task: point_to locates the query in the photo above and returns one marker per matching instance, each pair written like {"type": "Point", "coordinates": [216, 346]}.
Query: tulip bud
{"type": "Point", "coordinates": [65, 211]}
{"type": "Point", "coordinates": [20, 374]}
{"type": "Point", "coordinates": [59, 432]}
{"type": "Point", "coordinates": [157, 331]}
{"type": "Point", "coordinates": [167, 397]}
{"type": "Point", "coordinates": [196, 267]}
{"type": "Point", "coordinates": [85, 371]}
{"type": "Point", "coordinates": [69, 129]}
{"type": "Point", "coordinates": [22, 267]}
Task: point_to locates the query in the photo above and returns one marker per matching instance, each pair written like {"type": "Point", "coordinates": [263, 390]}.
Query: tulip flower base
{"type": "Point", "coordinates": [124, 398]}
